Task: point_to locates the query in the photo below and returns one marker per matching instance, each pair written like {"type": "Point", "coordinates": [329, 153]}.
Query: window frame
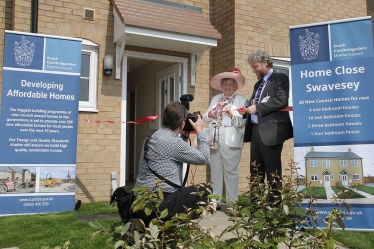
{"type": "Point", "coordinates": [345, 164]}
{"type": "Point", "coordinates": [92, 49]}
{"type": "Point", "coordinates": [312, 165]}
{"type": "Point", "coordinates": [314, 176]}
{"type": "Point", "coordinates": [358, 177]}
{"type": "Point", "coordinates": [326, 163]}
{"type": "Point", "coordinates": [354, 164]}
{"type": "Point", "coordinates": [285, 63]}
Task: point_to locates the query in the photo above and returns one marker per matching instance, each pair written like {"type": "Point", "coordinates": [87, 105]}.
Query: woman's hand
{"type": "Point", "coordinates": [229, 113]}
{"type": "Point", "coordinates": [212, 114]}
{"type": "Point", "coordinates": [242, 110]}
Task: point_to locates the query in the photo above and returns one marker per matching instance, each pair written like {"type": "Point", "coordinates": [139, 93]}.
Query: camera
{"type": "Point", "coordinates": [185, 100]}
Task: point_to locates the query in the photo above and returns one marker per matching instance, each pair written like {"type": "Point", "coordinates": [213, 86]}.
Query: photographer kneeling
{"type": "Point", "coordinates": [163, 156]}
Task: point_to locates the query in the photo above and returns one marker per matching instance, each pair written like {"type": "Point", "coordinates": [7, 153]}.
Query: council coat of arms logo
{"type": "Point", "coordinates": [24, 52]}
{"type": "Point", "coordinates": [309, 45]}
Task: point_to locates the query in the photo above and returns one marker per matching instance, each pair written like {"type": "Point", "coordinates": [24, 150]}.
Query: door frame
{"type": "Point", "coordinates": [177, 91]}
{"type": "Point", "coordinates": [329, 180]}
{"type": "Point", "coordinates": [148, 56]}
{"type": "Point", "coordinates": [344, 179]}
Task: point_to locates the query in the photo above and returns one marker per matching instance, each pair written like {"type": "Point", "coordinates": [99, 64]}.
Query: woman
{"type": "Point", "coordinates": [226, 135]}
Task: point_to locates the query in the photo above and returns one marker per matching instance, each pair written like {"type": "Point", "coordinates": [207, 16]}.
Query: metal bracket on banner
{"type": "Point", "coordinates": [113, 178]}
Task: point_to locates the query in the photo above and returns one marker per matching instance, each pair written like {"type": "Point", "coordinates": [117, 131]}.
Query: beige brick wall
{"type": "Point", "coordinates": [6, 9]}
{"type": "Point", "coordinates": [370, 10]}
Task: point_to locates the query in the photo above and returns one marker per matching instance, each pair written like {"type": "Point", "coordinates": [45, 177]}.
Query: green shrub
{"type": "Point", "coordinates": [257, 223]}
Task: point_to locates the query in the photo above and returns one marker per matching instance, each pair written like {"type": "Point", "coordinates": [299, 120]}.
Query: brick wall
{"type": "Point", "coordinates": [370, 10]}
{"type": "Point", "coordinates": [6, 8]}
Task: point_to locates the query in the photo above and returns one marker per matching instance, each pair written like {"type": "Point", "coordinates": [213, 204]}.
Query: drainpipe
{"type": "Point", "coordinates": [34, 16]}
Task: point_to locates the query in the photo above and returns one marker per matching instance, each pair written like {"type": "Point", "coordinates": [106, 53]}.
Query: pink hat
{"type": "Point", "coordinates": [233, 73]}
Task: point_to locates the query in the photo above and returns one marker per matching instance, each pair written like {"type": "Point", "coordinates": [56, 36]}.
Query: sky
{"type": "Point", "coordinates": [57, 172]}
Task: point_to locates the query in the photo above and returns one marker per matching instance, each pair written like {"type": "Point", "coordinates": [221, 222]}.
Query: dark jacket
{"type": "Point", "coordinates": [275, 126]}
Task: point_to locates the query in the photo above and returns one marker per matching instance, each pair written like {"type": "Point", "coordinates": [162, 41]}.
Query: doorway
{"type": "Point", "coordinates": [144, 88]}
{"type": "Point", "coordinates": [327, 180]}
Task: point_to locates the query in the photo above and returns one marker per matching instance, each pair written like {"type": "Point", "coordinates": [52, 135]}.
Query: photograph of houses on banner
{"type": "Point", "coordinates": [333, 168]}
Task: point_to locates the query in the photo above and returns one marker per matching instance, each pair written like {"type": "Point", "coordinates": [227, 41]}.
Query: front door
{"type": "Point", "coordinates": [344, 180]}
{"type": "Point", "coordinates": [327, 180]}
{"type": "Point", "coordinates": [169, 89]}
{"type": "Point", "coordinates": [168, 86]}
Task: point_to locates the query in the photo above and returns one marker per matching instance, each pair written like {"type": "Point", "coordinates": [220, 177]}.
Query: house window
{"type": "Point", "coordinates": [326, 163]}
{"type": "Point", "coordinates": [313, 163]}
{"type": "Point", "coordinates": [314, 178]}
{"type": "Point", "coordinates": [1, 173]}
{"type": "Point", "coordinates": [331, 177]}
{"type": "Point", "coordinates": [283, 65]}
{"type": "Point", "coordinates": [356, 177]}
{"type": "Point", "coordinates": [343, 163]}
{"type": "Point", "coordinates": [354, 163]}
{"type": "Point", "coordinates": [88, 78]}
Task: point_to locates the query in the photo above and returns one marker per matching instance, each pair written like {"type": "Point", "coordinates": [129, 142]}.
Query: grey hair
{"type": "Point", "coordinates": [260, 56]}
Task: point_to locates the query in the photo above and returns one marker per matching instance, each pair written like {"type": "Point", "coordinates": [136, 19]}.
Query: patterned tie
{"type": "Point", "coordinates": [259, 90]}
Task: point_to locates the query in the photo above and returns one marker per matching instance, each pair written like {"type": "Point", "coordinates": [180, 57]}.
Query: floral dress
{"type": "Point", "coordinates": [224, 104]}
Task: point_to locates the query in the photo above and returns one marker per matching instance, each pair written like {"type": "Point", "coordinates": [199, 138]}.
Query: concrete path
{"type": "Point", "coordinates": [363, 193]}
{"type": "Point", "coordinates": [220, 221]}
{"type": "Point", "coordinates": [329, 193]}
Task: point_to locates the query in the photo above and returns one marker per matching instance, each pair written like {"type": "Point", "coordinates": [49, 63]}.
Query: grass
{"type": "Point", "coordinates": [366, 189]}
{"type": "Point", "coordinates": [355, 240]}
{"type": "Point", "coordinates": [54, 229]}
{"type": "Point", "coordinates": [350, 194]}
{"type": "Point", "coordinates": [315, 191]}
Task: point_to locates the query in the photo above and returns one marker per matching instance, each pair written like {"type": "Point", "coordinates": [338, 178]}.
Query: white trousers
{"type": "Point", "coordinates": [224, 168]}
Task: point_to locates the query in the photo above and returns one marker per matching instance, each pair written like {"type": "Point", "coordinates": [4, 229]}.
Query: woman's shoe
{"type": "Point", "coordinates": [218, 206]}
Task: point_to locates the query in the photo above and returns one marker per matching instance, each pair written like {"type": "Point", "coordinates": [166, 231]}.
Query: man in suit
{"type": "Point", "coordinates": [266, 127]}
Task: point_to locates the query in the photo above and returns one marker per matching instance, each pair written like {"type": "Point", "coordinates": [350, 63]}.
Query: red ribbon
{"type": "Point", "coordinates": [152, 118]}
{"type": "Point", "coordinates": [286, 109]}
{"type": "Point", "coordinates": [140, 121]}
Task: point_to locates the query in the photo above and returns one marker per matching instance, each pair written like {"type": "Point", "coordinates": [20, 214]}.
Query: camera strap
{"type": "Point", "coordinates": [146, 142]}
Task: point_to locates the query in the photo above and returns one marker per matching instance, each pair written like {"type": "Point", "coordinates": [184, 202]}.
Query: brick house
{"type": "Point", "coordinates": [11, 173]}
{"type": "Point", "coordinates": [171, 47]}
{"type": "Point", "coordinates": [325, 169]}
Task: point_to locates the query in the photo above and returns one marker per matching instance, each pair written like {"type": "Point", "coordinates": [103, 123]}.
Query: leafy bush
{"type": "Point", "coordinates": [264, 221]}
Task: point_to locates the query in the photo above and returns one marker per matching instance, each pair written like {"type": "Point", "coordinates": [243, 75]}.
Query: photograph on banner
{"type": "Point", "coordinates": [27, 179]}
{"type": "Point", "coordinates": [333, 96]}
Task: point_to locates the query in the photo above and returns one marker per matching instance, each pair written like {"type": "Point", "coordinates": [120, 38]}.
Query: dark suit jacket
{"type": "Point", "coordinates": [275, 127]}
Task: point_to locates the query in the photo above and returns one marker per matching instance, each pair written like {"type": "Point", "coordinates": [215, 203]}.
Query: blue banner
{"type": "Point", "coordinates": [38, 123]}
{"type": "Point", "coordinates": [332, 91]}
{"type": "Point", "coordinates": [331, 82]}
{"type": "Point", "coordinates": [358, 217]}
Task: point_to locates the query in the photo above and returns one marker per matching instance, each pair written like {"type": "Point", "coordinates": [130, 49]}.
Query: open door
{"type": "Point", "coordinates": [168, 87]}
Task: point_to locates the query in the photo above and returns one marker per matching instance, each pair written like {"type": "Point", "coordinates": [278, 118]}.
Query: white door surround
{"type": "Point", "coordinates": [154, 57]}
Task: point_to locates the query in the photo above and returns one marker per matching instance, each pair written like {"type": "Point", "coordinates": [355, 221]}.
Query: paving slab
{"type": "Point", "coordinates": [220, 221]}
